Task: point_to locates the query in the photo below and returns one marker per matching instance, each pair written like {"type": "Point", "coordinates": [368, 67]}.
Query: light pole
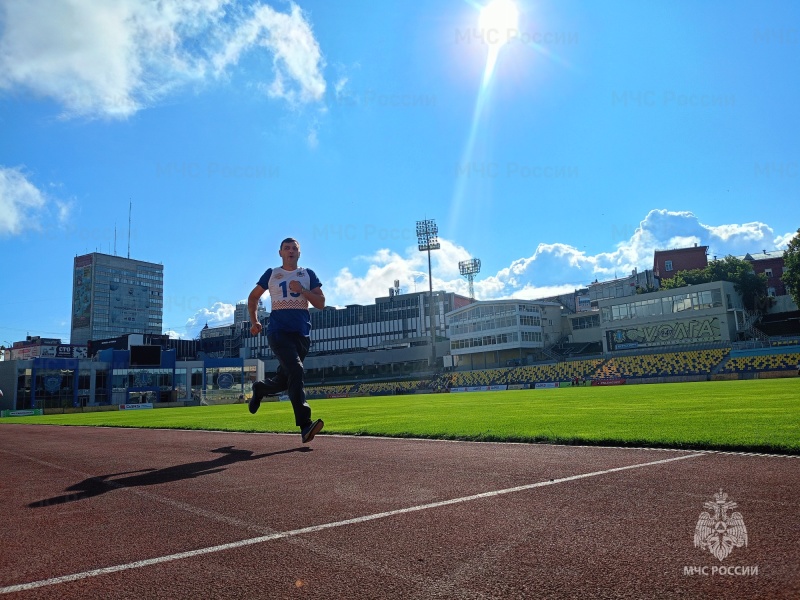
{"type": "Point", "coordinates": [427, 240]}
{"type": "Point", "coordinates": [468, 269]}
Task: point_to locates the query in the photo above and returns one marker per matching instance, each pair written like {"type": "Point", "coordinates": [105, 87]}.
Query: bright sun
{"type": "Point", "coordinates": [499, 21]}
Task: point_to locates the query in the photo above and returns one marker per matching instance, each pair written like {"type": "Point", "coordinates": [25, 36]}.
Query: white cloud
{"type": "Point", "coordinates": [296, 56]}
{"type": "Point", "coordinates": [220, 313]}
{"type": "Point", "coordinates": [312, 138]}
{"type": "Point", "coordinates": [552, 269]}
{"type": "Point", "coordinates": [111, 59]}
{"type": "Point", "coordinates": [782, 241]}
{"type": "Point", "coordinates": [23, 206]}
{"type": "Point", "coordinates": [339, 86]}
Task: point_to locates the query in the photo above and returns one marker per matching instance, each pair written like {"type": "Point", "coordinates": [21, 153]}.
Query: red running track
{"type": "Point", "coordinates": [127, 513]}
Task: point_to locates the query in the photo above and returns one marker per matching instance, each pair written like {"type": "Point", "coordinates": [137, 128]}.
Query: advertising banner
{"type": "Point", "coordinates": [82, 292]}
{"type": "Point", "coordinates": [129, 305]}
{"type": "Point", "coordinates": [142, 406]}
{"type": "Point", "coordinates": [618, 381]}
{"type": "Point", "coordinates": [665, 334]}
{"type": "Point", "coordinates": [546, 385]}
{"type": "Point", "coordinates": [35, 412]}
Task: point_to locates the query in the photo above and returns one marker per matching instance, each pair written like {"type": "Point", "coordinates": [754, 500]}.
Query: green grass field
{"type": "Point", "coordinates": [756, 415]}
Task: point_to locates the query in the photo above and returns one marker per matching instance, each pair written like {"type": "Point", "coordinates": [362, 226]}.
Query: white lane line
{"type": "Point", "coordinates": [314, 528]}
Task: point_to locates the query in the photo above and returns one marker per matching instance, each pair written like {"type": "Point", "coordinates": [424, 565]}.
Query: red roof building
{"type": "Point", "coordinates": [668, 262]}
{"type": "Point", "coordinates": [771, 265]}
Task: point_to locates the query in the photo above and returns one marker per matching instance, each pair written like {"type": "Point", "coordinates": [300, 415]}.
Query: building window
{"type": "Point", "coordinates": [668, 265]}
{"type": "Point", "coordinates": [768, 272]}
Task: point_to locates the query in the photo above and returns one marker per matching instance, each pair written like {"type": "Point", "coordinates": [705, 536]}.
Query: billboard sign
{"type": "Point", "coordinates": [668, 333]}
{"type": "Point", "coordinates": [82, 292]}
{"type": "Point", "coordinates": [129, 304]}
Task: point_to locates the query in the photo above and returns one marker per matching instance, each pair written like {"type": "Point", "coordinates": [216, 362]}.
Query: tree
{"type": "Point", "coordinates": [791, 268]}
{"type": "Point", "coordinates": [752, 287]}
{"type": "Point", "coordinates": [684, 278]}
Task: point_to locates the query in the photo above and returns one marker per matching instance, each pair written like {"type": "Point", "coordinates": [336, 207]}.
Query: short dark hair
{"type": "Point", "coordinates": [287, 240]}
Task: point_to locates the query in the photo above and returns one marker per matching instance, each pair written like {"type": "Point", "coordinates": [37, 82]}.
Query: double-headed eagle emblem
{"type": "Point", "coordinates": [717, 531]}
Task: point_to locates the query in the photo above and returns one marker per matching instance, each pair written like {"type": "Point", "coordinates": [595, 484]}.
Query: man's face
{"type": "Point", "coordinates": [290, 251]}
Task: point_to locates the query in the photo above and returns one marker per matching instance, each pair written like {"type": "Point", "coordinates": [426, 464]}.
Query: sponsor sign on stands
{"type": "Point", "coordinates": [519, 386]}
{"type": "Point", "coordinates": [617, 381]}
{"type": "Point", "coordinates": [35, 412]}
{"type": "Point", "coordinates": [141, 406]}
{"type": "Point", "coordinates": [546, 385]}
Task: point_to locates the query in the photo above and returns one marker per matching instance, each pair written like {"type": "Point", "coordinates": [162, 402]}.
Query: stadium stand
{"type": "Point", "coordinates": [664, 364]}
{"type": "Point", "coordinates": [683, 363]}
{"type": "Point", "coordinates": [548, 373]}
{"type": "Point", "coordinates": [390, 387]}
{"type": "Point", "coordinates": [328, 390]}
{"type": "Point", "coordinates": [763, 362]}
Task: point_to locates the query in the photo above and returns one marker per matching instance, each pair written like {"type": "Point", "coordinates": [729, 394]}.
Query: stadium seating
{"type": "Point", "coordinates": [664, 364]}
{"type": "Point", "coordinates": [329, 390]}
{"type": "Point", "coordinates": [383, 387]}
{"type": "Point", "coordinates": [765, 362]}
{"type": "Point", "coordinates": [642, 366]}
{"type": "Point", "coordinates": [563, 371]}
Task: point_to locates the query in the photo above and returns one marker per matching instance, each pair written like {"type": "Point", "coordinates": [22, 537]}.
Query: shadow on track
{"type": "Point", "coordinates": [94, 486]}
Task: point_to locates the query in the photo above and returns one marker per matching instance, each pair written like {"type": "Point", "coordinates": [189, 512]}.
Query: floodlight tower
{"type": "Point", "coordinates": [427, 240]}
{"type": "Point", "coordinates": [469, 268]}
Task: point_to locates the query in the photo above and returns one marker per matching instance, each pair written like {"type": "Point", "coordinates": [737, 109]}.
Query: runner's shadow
{"type": "Point", "coordinates": [94, 486]}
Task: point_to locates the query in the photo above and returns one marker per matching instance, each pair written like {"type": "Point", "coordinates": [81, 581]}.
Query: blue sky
{"type": "Point", "coordinates": [605, 130]}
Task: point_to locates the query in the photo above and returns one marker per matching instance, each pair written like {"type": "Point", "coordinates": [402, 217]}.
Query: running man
{"type": "Point", "coordinates": [291, 290]}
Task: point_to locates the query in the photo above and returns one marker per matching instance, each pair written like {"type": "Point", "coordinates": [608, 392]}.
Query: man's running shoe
{"type": "Point", "coordinates": [259, 393]}
{"type": "Point", "coordinates": [309, 431]}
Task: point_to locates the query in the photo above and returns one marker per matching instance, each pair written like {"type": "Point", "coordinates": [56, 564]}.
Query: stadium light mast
{"type": "Point", "coordinates": [427, 240]}
{"type": "Point", "coordinates": [469, 268]}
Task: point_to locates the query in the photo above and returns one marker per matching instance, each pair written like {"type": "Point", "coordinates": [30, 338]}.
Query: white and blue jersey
{"type": "Point", "coordinates": [289, 310]}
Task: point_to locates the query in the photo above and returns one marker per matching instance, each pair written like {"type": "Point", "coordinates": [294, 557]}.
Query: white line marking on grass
{"type": "Point", "coordinates": [314, 528]}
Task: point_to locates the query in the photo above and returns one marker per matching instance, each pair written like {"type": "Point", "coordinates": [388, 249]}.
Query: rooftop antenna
{"type": "Point", "coordinates": [115, 238]}
{"type": "Point", "coordinates": [130, 204]}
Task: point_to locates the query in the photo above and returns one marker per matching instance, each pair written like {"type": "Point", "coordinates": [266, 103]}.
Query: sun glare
{"type": "Point", "coordinates": [499, 22]}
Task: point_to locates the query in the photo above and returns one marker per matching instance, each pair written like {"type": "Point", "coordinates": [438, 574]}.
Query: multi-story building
{"type": "Point", "coordinates": [668, 262]}
{"type": "Point", "coordinates": [36, 346]}
{"type": "Point", "coordinates": [635, 283]}
{"type": "Point", "coordinates": [240, 313]}
{"type": "Point", "coordinates": [396, 330]}
{"type": "Point", "coordinates": [708, 313]}
{"type": "Point", "coordinates": [502, 332]}
{"type": "Point", "coordinates": [770, 264]}
{"type": "Point", "coordinates": [136, 374]}
{"type": "Point", "coordinates": [113, 296]}
{"type": "Point", "coordinates": [399, 319]}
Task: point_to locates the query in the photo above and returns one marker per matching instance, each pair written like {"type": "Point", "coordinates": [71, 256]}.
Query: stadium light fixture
{"type": "Point", "coordinates": [469, 268]}
{"type": "Point", "coordinates": [427, 240]}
